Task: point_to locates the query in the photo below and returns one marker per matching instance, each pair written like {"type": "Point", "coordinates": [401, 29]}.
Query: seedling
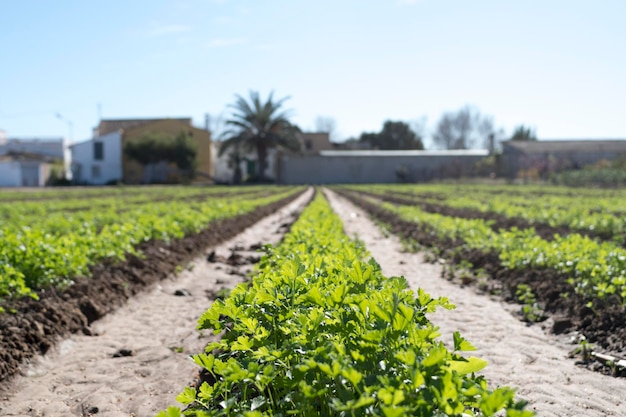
{"type": "Point", "coordinates": [530, 308]}
{"type": "Point", "coordinates": [585, 350]}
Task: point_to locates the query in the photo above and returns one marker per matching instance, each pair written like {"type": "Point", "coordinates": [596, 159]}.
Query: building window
{"type": "Point", "coordinates": [98, 151]}
{"type": "Point", "coordinates": [308, 145]}
{"type": "Point", "coordinates": [95, 171]}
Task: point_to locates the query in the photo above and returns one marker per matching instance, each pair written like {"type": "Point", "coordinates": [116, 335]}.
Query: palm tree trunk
{"type": "Point", "coordinates": [261, 151]}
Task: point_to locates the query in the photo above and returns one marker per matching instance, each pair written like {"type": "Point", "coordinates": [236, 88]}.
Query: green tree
{"type": "Point", "coordinates": [394, 135]}
{"type": "Point", "coordinates": [150, 148]}
{"type": "Point", "coordinates": [155, 147]}
{"type": "Point", "coordinates": [184, 153]}
{"type": "Point", "coordinates": [524, 133]}
{"type": "Point", "coordinates": [260, 126]}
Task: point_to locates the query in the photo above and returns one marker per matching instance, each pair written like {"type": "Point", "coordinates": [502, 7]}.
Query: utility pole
{"type": "Point", "coordinates": [70, 125]}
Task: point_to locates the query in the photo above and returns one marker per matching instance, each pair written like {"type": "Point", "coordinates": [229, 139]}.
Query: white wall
{"type": "Point", "coordinates": [110, 167]}
{"type": "Point", "coordinates": [31, 174]}
{"type": "Point", "coordinates": [10, 174]}
{"type": "Point", "coordinates": [56, 148]}
{"type": "Point", "coordinates": [370, 167]}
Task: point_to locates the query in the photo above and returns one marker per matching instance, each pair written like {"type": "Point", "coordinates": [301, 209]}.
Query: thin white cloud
{"type": "Point", "coordinates": [221, 42]}
{"type": "Point", "coordinates": [225, 20]}
{"type": "Point", "coordinates": [268, 47]}
{"type": "Point", "coordinates": [169, 30]}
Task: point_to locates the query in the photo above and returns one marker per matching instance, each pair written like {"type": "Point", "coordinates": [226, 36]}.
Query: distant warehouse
{"type": "Point", "coordinates": [541, 158]}
{"type": "Point", "coordinates": [377, 166]}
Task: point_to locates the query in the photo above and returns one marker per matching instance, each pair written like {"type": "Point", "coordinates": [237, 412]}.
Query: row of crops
{"type": "Point", "coordinates": [320, 331]}
{"type": "Point", "coordinates": [600, 212]}
{"type": "Point", "coordinates": [51, 238]}
{"type": "Point", "coordinates": [595, 267]}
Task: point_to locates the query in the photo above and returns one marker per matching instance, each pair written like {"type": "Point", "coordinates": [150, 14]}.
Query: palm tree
{"type": "Point", "coordinates": [235, 158]}
{"type": "Point", "coordinates": [260, 126]}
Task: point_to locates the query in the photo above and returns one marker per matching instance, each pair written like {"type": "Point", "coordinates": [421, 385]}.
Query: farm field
{"type": "Point", "coordinates": [540, 371]}
{"type": "Point", "coordinates": [538, 252]}
{"type": "Point", "coordinates": [125, 238]}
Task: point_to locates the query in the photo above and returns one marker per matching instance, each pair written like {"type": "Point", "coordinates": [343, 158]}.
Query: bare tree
{"type": "Point", "coordinates": [418, 125]}
{"type": "Point", "coordinates": [463, 129]}
{"type": "Point", "coordinates": [326, 124]}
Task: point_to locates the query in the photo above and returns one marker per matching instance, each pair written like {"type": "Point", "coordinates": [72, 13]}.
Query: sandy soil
{"type": "Point", "coordinates": [521, 356]}
{"type": "Point", "coordinates": [90, 375]}
{"type": "Point", "coordinates": [80, 376]}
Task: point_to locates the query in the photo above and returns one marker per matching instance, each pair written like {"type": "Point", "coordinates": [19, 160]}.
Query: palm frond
{"type": "Point", "coordinates": [233, 141]}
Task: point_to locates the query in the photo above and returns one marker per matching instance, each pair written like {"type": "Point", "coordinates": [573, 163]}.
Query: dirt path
{"type": "Point", "coordinates": [93, 375]}
{"type": "Point", "coordinates": [519, 356]}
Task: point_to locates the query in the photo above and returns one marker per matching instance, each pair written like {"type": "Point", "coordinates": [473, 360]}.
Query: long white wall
{"type": "Point", "coordinates": [382, 168]}
{"type": "Point", "coordinates": [84, 165]}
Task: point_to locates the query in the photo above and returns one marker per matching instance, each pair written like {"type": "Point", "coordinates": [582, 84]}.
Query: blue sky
{"type": "Point", "coordinates": [557, 66]}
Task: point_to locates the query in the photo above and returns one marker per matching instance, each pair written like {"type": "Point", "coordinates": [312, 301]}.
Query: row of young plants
{"type": "Point", "coordinates": [58, 218]}
{"type": "Point", "coordinates": [20, 212]}
{"type": "Point", "coordinates": [597, 270]}
{"type": "Point", "coordinates": [530, 190]}
{"type": "Point", "coordinates": [119, 191]}
{"type": "Point", "coordinates": [58, 248]}
{"type": "Point", "coordinates": [319, 331]}
{"type": "Point", "coordinates": [601, 215]}
{"type": "Point", "coordinates": [55, 193]}
{"type": "Point", "coordinates": [595, 200]}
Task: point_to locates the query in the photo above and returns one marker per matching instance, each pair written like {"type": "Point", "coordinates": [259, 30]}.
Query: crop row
{"type": "Point", "coordinates": [55, 249]}
{"type": "Point", "coordinates": [597, 270]}
{"type": "Point", "coordinates": [64, 193]}
{"type": "Point", "coordinates": [319, 331]}
{"type": "Point", "coordinates": [597, 215]}
{"type": "Point", "coordinates": [20, 212]}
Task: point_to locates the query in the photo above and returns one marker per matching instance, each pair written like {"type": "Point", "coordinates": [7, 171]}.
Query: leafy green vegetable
{"type": "Point", "coordinates": [321, 331]}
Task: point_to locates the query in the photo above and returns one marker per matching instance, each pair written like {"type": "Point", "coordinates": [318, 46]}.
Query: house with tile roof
{"type": "Point", "coordinates": [101, 159]}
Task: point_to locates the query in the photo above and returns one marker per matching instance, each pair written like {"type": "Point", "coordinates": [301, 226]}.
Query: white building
{"type": "Point", "coordinates": [24, 170]}
{"type": "Point", "coordinates": [98, 160]}
{"type": "Point", "coordinates": [47, 148]}
{"type": "Point", "coordinates": [10, 173]}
